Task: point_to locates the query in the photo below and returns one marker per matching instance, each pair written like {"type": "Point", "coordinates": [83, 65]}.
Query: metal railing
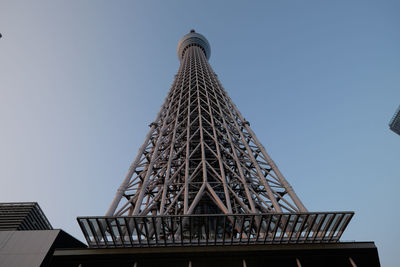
{"type": "Point", "coordinates": [214, 229]}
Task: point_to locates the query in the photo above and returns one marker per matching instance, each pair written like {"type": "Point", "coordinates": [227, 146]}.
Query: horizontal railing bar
{"type": "Point", "coordinates": [214, 229]}
{"type": "Point", "coordinates": [222, 215]}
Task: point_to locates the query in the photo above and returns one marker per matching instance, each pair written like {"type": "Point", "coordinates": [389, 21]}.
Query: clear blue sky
{"type": "Point", "coordinates": [319, 81]}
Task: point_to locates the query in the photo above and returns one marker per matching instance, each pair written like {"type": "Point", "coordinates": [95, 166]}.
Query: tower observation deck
{"type": "Point", "coordinates": [202, 177]}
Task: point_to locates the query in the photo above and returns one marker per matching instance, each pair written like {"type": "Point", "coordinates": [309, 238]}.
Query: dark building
{"type": "Point", "coordinates": [27, 238]}
{"type": "Point", "coordinates": [292, 255]}
{"type": "Point", "coordinates": [394, 123]}
{"type": "Point", "coordinates": [22, 216]}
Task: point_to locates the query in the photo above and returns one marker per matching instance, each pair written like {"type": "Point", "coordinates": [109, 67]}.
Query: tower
{"type": "Point", "coordinates": [202, 174]}
{"type": "Point", "coordinates": [202, 180]}
{"type": "Point", "coordinates": [200, 155]}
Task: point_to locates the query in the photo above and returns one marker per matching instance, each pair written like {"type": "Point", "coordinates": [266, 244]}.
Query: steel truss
{"type": "Point", "coordinates": [200, 156]}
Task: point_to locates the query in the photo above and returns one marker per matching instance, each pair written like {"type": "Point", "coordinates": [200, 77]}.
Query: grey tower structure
{"type": "Point", "coordinates": [203, 191]}
{"type": "Point", "coordinates": [200, 155]}
{"type": "Point", "coordinates": [202, 176]}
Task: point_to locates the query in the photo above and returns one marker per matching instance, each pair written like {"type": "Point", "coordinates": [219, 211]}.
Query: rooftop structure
{"type": "Point", "coordinates": [394, 123]}
{"type": "Point", "coordinates": [23, 216]}
{"type": "Point", "coordinates": [27, 238]}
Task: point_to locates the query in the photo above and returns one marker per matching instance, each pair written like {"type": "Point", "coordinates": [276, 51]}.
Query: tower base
{"type": "Point", "coordinates": [334, 254]}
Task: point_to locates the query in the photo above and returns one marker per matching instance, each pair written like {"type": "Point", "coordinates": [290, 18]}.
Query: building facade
{"type": "Point", "coordinates": [27, 237]}
{"type": "Point", "coordinates": [394, 123]}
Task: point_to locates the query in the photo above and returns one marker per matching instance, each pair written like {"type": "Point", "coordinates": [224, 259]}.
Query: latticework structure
{"type": "Point", "coordinates": [201, 158]}
{"type": "Point", "coordinates": [200, 155]}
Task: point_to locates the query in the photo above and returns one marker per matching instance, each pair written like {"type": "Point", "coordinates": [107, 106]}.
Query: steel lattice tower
{"type": "Point", "coordinates": [200, 155]}
{"type": "Point", "coordinates": [202, 173]}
